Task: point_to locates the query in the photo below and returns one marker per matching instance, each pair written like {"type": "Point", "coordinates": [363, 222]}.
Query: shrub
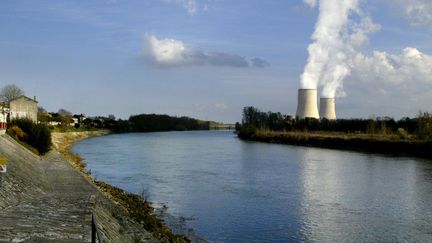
{"type": "Point", "coordinates": [424, 126]}
{"type": "Point", "coordinates": [41, 138]}
{"type": "Point", "coordinates": [403, 134]}
{"type": "Point", "coordinates": [37, 136]}
{"type": "Point", "coordinates": [15, 131]}
{"type": "Point", "coordinates": [247, 131]}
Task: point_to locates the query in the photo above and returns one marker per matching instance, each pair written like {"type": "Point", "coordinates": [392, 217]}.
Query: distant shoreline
{"type": "Point", "coordinates": [341, 141]}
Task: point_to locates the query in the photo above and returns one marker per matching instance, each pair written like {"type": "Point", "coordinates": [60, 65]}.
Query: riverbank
{"type": "Point", "coordinates": [381, 144]}
{"type": "Point", "coordinates": [135, 207]}
{"type": "Point", "coordinates": [45, 199]}
{"type": "Point", "coordinates": [63, 142]}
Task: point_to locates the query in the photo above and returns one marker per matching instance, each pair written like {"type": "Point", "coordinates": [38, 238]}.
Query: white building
{"type": "Point", "coordinates": [24, 107]}
{"type": "Point", "coordinates": [4, 111]}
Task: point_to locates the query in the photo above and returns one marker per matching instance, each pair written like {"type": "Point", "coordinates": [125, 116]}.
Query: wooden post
{"type": "Point", "coordinates": [93, 234]}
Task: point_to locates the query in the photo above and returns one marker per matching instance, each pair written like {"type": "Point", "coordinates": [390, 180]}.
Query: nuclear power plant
{"type": "Point", "coordinates": [327, 108]}
{"type": "Point", "coordinates": [307, 106]}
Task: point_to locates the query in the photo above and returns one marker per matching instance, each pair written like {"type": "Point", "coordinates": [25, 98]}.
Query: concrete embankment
{"type": "Point", "coordinates": [44, 199]}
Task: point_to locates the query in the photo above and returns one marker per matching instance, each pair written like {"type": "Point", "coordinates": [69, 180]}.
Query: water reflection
{"type": "Point", "coordinates": [238, 191]}
{"type": "Point", "coordinates": [355, 196]}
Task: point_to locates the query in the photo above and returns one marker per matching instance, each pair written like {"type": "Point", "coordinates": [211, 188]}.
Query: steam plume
{"type": "Point", "coordinates": [334, 40]}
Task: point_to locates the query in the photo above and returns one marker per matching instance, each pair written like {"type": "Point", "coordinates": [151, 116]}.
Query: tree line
{"type": "Point", "coordinates": [157, 123]}
{"type": "Point", "coordinates": [420, 126]}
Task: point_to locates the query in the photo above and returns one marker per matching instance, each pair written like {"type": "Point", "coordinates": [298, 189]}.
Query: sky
{"type": "Point", "coordinates": [208, 59]}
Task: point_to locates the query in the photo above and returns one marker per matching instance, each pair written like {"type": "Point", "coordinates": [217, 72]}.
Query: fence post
{"type": "Point", "coordinates": [93, 233]}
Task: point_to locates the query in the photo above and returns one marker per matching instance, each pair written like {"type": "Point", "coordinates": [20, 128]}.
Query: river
{"type": "Point", "coordinates": [230, 190]}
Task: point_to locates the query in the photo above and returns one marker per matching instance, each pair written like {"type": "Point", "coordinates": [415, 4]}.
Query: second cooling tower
{"type": "Point", "coordinates": [307, 106]}
{"type": "Point", "coordinates": [327, 108]}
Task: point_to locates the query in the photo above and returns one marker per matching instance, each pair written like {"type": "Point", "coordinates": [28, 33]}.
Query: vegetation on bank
{"type": "Point", "coordinates": [65, 121]}
{"type": "Point", "coordinates": [408, 136]}
{"type": "Point", "coordinates": [419, 128]}
{"type": "Point", "coordinates": [387, 144]}
{"type": "Point", "coordinates": [159, 123]}
{"type": "Point", "coordinates": [140, 210]}
{"type": "Point", "coordinates": [36, 137]}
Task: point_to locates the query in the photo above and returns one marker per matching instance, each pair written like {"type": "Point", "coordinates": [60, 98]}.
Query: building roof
{"type": "Point", "coordinates": [24, 97]}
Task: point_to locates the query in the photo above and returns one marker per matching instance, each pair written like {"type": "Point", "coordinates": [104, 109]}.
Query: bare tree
{"type": "Point", "coordinates": [10, 92]}
{"type": "Point", "coordinates": [64, 112]}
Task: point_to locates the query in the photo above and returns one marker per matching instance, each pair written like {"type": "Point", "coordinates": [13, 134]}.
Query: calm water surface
{"type": "Point", "coordinates": [237, 191]}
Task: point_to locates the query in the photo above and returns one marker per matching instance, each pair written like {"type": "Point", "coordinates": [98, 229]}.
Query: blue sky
{"type": "Point", "coordinates": [96, 57]}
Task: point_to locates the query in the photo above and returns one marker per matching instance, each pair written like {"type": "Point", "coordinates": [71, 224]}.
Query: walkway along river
{"type": "Point", "coordinates": [236, 191]}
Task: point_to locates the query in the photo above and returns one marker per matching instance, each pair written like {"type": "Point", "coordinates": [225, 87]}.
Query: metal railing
{"type": "Point", "coordinates": [95, 231]}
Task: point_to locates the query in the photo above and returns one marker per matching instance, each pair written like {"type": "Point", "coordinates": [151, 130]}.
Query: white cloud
{"type": "Point", "coordinates": [189, 5]}
{"type": "Point", "coordinates": [410, 67]}
{"type": "Point", "coordinates": [419, 12]}
{"type": "Point", "coordinates": [360, 31]}
{"type": "Point", "coordinates": [391, 83]}
{"type": "Point", "coordinates": [311, 3]}
{"type": "Point", "coordinates": [167, 52]}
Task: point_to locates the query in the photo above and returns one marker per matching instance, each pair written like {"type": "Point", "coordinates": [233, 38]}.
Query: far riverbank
{"type": "Point", "coordinates": [379, 144]}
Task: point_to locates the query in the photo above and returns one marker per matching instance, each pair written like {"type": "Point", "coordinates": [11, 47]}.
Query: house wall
{"type": "Point", "coordinates": [23, 108]}
{"type": "Point", "coordinates": [3, 116]}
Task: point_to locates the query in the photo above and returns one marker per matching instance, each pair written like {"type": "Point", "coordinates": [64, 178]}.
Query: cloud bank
{"type": "Point", "coordinates": [166, 52]}
{"type": "Point", "coordinates": [410, 67]}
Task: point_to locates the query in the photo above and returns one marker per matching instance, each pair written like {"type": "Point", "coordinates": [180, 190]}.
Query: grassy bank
{"type": "Point", "coordinates": [136, 207]}
{"type": "Point", "coordinates": [382, 144]}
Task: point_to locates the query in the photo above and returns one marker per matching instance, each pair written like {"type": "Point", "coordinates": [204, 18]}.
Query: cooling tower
{"type": "Point", "coordinates": [307, 106]}
{"type": "Point", "coordinates": [327, 108]}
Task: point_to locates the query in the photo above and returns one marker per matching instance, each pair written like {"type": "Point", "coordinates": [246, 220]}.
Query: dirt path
{"type": "Point", "coordinates": [46, 199]}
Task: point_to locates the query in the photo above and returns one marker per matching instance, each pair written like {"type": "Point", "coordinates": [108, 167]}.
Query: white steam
{"type": "Point", "coordinates": [334, 41]}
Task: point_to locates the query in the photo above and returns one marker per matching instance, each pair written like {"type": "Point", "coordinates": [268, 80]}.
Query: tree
{"type": "Point", "coordinates": [65, 118]}
{"type": "Point", "coordinates": [63, 112]}
{"type": "Point", "coordinates": [43, 115]}
{"type": "Point", "coordinates": [424, 126]}
{"type": "Point", "coordinates": [10, 92]}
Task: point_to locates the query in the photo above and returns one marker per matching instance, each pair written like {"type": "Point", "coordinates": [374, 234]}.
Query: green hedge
{"type": "Point", "coordinates": [37, 136]}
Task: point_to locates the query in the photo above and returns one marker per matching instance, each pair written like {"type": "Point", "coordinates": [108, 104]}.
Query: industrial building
{"type": "Point", "coordinates": [307, 106]}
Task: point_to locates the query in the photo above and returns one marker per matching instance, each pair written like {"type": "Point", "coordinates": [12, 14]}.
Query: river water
{"type": "Point", "coordinates": [230, 190]}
